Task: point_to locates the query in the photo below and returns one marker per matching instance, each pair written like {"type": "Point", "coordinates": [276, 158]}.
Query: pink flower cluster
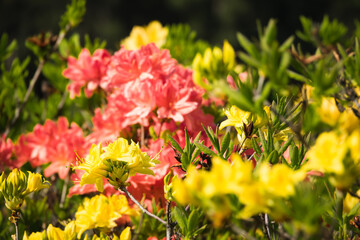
{"type": "Point", "coordinates": [144, 86]}
{"type": "Point", "coordinates": [6, 153]}
{"type": "Point", "coordinates": [56, 143]}
{"type": "Point", "coordinates": [87, 71]}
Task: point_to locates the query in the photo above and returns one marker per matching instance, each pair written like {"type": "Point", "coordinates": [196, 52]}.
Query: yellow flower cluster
{"type": "Point", "coordinates": [54, 233]}
{"type": "Point", "coordinates": [330, 114]}
{"type": "Point", "coordinates": [213, 65]}
{"type": "Point", "coordinates": [117, 162]}
{"type": "Point", "coordinates": [17, 186]}
{"type": "Point", "coordinates": [256, 189]}
{"type": "Point", "coordinates": [101, 212]}
{"type": "Point", "coordinates": [238, 118]}
{"type": "Point", "coordinates": [140, 36]}
{"type": "Point", "coordinates": [333, 153]}
{"type": "Point", "coordinates": [69, 233]}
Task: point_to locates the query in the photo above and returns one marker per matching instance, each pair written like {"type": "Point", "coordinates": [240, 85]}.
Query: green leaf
{"type": "Point", "coordinates": [205, 149]}
{"type": "Point", "coordinates": [256, 147]}
{"type": "Point", "coordinates": [230, 149]}
{"type": "Point", "coordinates": [247, 45]}
{"type": "Point", "coordinates": [73, 15]}
{"type": "Point", "coordinates": [286, 44]}
{"type": "Point", "coordinates": [6, 49]}
{"type": "Point", "coordinates": [263, 142]}
{"type": "Point", "coordinates": [175, 144]}
{"type": "Point", "coordinates": [286, 145]}
{"type": "Point", "coordinates": [225, 143]}
{"type": "Point", "coordinates": [180, 218]}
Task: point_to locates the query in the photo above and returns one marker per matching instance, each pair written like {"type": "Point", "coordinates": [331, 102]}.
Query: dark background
{"type": "Point", "coordinates": [213, 20]}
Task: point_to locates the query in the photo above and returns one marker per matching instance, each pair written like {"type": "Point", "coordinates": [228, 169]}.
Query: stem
{"type": "Point", "coordinates": [241, 232]}
{"type": "Point", "coordinates": [64, 190]}
{"type": "Point", "coordinates": [14, 219]}
{"type": "Point", "coordinates": [265, 219]}
{"type": "Point", "coordinates": [142, 136]}
{"type": "Point", "coordinates": [123, 188]}
{"type": "Point", "coordinates": [169, 222]}
{"type": "Point", "coordinates": [35, 78]}
{"type": "Point", "coordinates": [16, 230]}
{"type": "Point", "coordinates": [139, 227]}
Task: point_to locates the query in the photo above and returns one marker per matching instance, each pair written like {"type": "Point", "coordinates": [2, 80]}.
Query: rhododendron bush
{"type": "Point", "coordinates": [168, 137]}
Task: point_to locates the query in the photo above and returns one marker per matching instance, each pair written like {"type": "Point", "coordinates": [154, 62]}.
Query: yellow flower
{"type": "Point", "coordinates": [35, 236]}
{"type": "Point", "coordinates": [70, 230]}
{"type": "Point", "coordinates": [353, 141]}
{"type": "Point", "coordinates": [327, 154]}
{"type": "Point", "coordinates": [94, 168]}
{"type": "Point", "coordinates": [348, 122]}
{"type": "Point", "coordinates": [12, 188]}
{"type": "Point", "coordinates": [35, 183]}
{"type": "Point", "coordinates": [213, 65]}
{"type": "Point", "coordinates": [140, 36]}
{"type": "Point", "coordinates": [328, 111]}
{"type": "Point", "coordinates": [349, 202]}
{"type": "Point", "coordinates": [254, 198]}
{"type": "Point", "coordinates": [101, 212]}
{"type": "Point", "coordinates": [54, 233]}
{"type": "Point", "coordinates": [279, 180]}
{"type": "Point", "coordinates": [126, 234]}
{"type": "Point", "coordinates": [229, 55]}
{"type": "Point", "coordinates": [137, 161]}
{"type": "Point", "coordinates": [236, 117]}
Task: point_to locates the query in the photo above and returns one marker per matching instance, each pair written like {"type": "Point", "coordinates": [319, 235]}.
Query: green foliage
{"type": "Point", "coordinates": [182, 44]}
{"type": "Point", "coordinates": [146, 226]}
{"type": "Point", "coordinates": [6, 49]}
{"type": "Point", "coordinates": [189, 153]}
{"type": "Point", "coordinates": [269, 57]}
{"type": "Point", "coordinates": [73, 15]}
{"type": "Point", "coordinates": [190, 223]}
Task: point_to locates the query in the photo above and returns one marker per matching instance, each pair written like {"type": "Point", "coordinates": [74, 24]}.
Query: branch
{"type": "Point", "coordinates": [123, 188]}
{"type": "Point", "coordinates": [34, 79]}
{"type": "Point", "coordinates": [265, 219]}
{"type": "Point", "coordinates": [169, 222]}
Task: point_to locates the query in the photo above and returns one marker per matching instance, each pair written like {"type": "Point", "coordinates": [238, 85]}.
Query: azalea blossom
{"type": "Point", "coordinates": [86, 71]}
{"type": "Point", "coordinates": [56, 143]}
{"type": "Point", "coordinates": [102, 212]}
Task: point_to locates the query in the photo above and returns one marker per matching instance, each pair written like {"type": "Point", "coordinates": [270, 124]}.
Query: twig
{"type": "Point", "coordinates": [123, 188]}
{"type": "Point", "coordinates": [242, 232]}
{"type": "Point", "coordinates": [16, 230]}
{"type": "Point", "coordinates": [64, 190]}
{"type": "Point", "coordinates": [291, 126]}
{"type": "Point", "coordinates": [284, 234]}
{"type": "Point", "coordinates": [169, 222]}
{"type": "Point", "coordinates": [265, 219]}
{"type": "Point", "coordinates": [14, 219]}
{"type": "Point", "coordinates": [61, 103]}
{"type": "Point", "coordinates": [34, 79]}
{"type": "Point", "coordinates": [354, 194]}
{"type": "Point", "coordinates": [139, 227]}
{"type": "Point", "coordinates": [142, 136]}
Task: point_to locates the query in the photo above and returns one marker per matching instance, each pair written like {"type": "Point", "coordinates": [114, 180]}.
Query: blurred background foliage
{"type": "Point", "coordinates": [213, 20]}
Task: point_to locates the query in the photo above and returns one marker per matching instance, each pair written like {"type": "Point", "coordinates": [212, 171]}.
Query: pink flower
{"type": "Point", "coordinates": [6, 152]}
{"type": "Point", "coordinates": [147, 62]}
{"type": "Point", "coordinates": [87, 71]}
{"type": "Point", "coordinates": [55, 143]}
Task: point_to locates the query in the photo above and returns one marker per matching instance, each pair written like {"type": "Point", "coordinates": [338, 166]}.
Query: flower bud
{"type": "Point", "coordinates": [126, 234]}
{"type": "Point", "coordinates": [70, 231]}
{"type": "Point", "coordinates": [35, 183]}
{"type": "Point", "coordinates": [54, 233]}
{"type": "Point", "coordinates": [12, 188]}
